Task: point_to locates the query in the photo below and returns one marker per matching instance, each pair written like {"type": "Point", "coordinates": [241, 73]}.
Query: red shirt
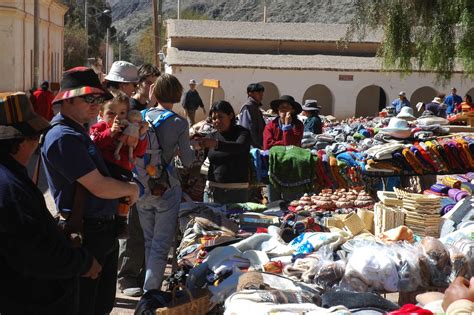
{"type": "Point", "coordinates": [274, 135]}
{"type": "Point", "coordinates": [42, 103]}
{"type": "Point", "coordinates": [102, 137]}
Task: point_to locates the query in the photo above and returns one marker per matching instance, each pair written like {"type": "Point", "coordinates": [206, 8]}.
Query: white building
{"type": "Point", "coordinates": [299, 59]}
{"type": "Point", "coordinates": [16, 36]}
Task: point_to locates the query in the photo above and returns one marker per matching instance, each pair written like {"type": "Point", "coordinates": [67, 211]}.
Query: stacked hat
{"type": "Point", "coordinates": [406, 113]}
{"type": "Point", "coordinates": [397, 128]}
{"type": "Point", "coordinates": [17, 117]}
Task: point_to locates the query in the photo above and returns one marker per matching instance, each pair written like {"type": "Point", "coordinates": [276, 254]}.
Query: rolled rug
{"type": "Point", "coordinates": [397, 156]}
{"type": "Point", "coordinates": [413, 161]}
{"type": "Point", "coordinates": [426, 165]}
{"type": "Point", "coordinates": [440, 188]}
{"type": "Point", "coordinates": [470, 176]}
{"type": "Point", "coordinates": [451, 182]}
{"type": "Point", "coordinates": [446, 209]}
{"type": "Point", "coordinates": [457, 194]}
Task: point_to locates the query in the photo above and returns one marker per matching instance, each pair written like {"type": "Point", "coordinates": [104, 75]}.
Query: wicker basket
{"type": "Point", "coordinates": [198, 305]}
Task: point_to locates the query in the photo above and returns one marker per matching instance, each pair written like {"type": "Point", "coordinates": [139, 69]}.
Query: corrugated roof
{"type": "Point", "coordinates": [262, 31]}
{"type": "Point", "coordinates": [177, 57]}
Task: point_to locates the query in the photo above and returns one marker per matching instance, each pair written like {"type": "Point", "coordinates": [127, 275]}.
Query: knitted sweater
{"type": "Point", "coordinates": [274, 134]}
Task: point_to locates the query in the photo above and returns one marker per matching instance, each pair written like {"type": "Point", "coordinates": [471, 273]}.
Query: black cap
{"type": "Point", "coordinates": [255, 87]}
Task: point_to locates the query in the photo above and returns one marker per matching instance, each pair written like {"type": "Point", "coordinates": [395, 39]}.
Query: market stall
{"type": "Point", "coordinates": [347, 240]}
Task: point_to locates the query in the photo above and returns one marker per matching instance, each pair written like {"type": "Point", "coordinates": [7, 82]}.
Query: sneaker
{"type": "Point", "coordinates": [133, 292]}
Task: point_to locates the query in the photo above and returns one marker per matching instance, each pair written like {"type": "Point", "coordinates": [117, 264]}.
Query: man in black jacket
{"type": "Point", "coordinates": [39, 269]}
{"type": "Point", "coordinates": [251, 117]}
{"type": "Point", "coordinates": [191, 102]}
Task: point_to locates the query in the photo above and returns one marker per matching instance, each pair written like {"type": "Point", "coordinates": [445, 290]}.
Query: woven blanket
{"type": "Point", "coordinates": [291, 169]}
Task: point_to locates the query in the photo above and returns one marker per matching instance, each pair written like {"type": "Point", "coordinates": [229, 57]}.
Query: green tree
{"type": "Point", "coordinates": [98, 22]}
{"type": "Point", "coordinates": [144, 45]}
{"type": "Point", "coordinates": [74, 45]}
{"type": "Point", "coordinates": [419, 34]}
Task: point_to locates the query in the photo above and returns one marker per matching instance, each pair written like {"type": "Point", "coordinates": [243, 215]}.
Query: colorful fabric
{"type": "Point", "coordinates": [291, 169]}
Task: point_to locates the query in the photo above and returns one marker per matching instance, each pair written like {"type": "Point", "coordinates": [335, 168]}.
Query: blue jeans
{"type": "Point", "coordinates": [158, 218]}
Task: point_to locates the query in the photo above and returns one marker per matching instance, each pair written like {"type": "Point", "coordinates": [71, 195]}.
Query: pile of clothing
{"type": "Point", "coordinates": [444, 155]}
{"type": "Point", "coordinates": [293, 263]}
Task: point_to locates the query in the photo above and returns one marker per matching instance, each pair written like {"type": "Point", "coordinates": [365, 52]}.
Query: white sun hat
{"type": "Point", "coordinates": [123, 72]}
{"type": "Point", "coordinates": [406, 113]}
{"type": "Point", "coordinates": [397, 128]}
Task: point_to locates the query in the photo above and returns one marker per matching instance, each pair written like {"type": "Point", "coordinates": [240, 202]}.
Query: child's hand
{"type": "Point", "coordinates": [116, 127]}
{"type": "Point", "coordinates": [143, 128]}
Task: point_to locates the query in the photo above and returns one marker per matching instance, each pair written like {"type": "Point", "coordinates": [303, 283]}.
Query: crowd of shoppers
{"type": "Point", "coordinates": [92, 181]}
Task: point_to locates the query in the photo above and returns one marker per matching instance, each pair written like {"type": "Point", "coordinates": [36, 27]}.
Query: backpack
{"type": "Point", "coordinates": [155, 166]}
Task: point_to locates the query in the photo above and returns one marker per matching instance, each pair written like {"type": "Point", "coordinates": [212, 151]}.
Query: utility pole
{"type": "Point", "coordinates": [179, 9]}
{"type": "Point", "coordinates": [156, 34]}
{"type": "Point", "coordinates": [107, 52]}
{"type": "Point", "coordinates": [86, 28]}
{"type": "Point", "coordinates": [264, 11]}
{"type": "Point", "coordinates": [36, 54]}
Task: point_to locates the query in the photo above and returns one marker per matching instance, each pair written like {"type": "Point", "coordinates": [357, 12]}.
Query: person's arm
{"type": "Point", "coordinates": [309, 125]}
{"type": "Point", "coordinates": [184, 101]}
{"type": "Point", "coordinates": [72, 160]}
{"type": "Point", "coordinates": [268, 137]}
{"type": "Point", "coordinates": [201, 104]}
{"type": "Point", "coordinates": [294, 135]}
{"type": "Point", "coordinates": [186, 154]}
{"type": "Point", "coordinates": [241, 144]}
{"type": "Point", "coordinates": [34, 250]}
{"type": "Point", "coordinates": [102, 136]}
{"type": "Point", "coordinates": [245, 120]}
{"type": "Point", "coordinates": [94, 182]}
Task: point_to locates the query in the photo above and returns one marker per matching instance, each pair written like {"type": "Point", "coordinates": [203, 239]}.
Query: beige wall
{"type": "Point", "coordinates": [234, 82]}
{"type": "Point", "coordinates": [16, 35]}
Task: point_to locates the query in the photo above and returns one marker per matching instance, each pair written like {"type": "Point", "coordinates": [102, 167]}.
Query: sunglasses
{"type": "Point", "coordinates": [90, 99]}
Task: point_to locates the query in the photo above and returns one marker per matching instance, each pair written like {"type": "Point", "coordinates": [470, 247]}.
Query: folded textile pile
{"type": "Point", "coordinates": [434, 156]}
{"type": "Point", "coordinates": [422, 212]}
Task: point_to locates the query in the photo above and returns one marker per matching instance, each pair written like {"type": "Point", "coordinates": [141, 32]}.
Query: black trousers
{"type": "Point", "coordinates": [97, 297]}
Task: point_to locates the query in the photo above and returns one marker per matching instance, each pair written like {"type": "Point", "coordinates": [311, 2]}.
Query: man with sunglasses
{"type": "Point", "coordinates": [38, 266]}
{"type": "Point", "coordinates": [79, 180]}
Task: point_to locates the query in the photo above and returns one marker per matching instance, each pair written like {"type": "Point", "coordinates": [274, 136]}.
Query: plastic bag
{"type": "Point", "coordinates": [407, 261]}
{"type": "Point", "coordinates": [436, 261]}
{"type": "Point", "coordinates": [327, 271]}
{"type": "Point", "coordinates": [370, 268]}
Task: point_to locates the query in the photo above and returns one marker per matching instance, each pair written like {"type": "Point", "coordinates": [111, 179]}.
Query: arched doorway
{"type": "Point", "coordinates": [470, 92]}
{"type": "Point", "coordinates": [370, 101]}
{"type": "Point", "coordinates": [205, 94]}
{"type": "Point", "coordinates": [424, 94]}
{"type": "Point", "coordinates": [323, 95]}
{"type": "Point", "coordinates": [271, 93]}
